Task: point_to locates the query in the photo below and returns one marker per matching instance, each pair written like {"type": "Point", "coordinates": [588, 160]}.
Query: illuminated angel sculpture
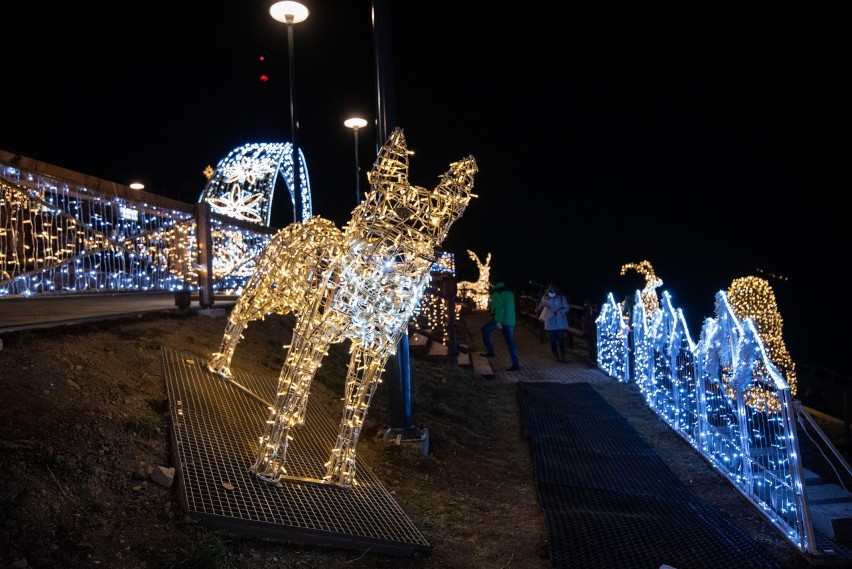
{"type": "Point", "coordinates": [478, 291]}
{"type": "Point", "coordinates": [362, 284]}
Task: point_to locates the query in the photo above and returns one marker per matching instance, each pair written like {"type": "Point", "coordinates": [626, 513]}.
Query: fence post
{"type": "Point", "coordinates": [205, 254]}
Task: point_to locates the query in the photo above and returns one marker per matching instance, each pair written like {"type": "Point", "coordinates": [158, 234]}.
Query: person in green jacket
{"type": "Point", "coordinates": [502, 306]}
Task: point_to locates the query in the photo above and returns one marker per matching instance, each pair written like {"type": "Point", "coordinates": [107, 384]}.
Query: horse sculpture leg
{"type": "Point", "coordinates": [246, 310]}
{"type": "Point", "coordinates": [221, 362]}
{"type": "Point", "coordinates": [254, 303]}
{"type": "Point", "coordinates": [365, 372]}
{"type": "Point", "coordinates": [307, 349]}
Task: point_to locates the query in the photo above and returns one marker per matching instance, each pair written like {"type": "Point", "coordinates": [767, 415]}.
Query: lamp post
{"type": "Point", "coordinates": [290, 13]}
{"type": "Point", "coordinates": [355, 123]}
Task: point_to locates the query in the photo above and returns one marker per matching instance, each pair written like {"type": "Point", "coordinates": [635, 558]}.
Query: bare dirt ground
{"type": "Point", "coordinates": [84, 422]}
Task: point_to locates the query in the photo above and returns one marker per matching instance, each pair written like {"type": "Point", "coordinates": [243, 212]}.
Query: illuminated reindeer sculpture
{"type": "Point", "coordinates": [652, 283]}
{"type": "Point", "coordinates": [362, 284]}
{"type": "Point", "coordinates": [478, 291]}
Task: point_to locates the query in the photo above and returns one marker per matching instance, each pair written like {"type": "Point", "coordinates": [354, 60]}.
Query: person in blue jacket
{"type": "Point", "coordinates": [502, 307]}
{"type": "Point", "coordinates": [553, 308]}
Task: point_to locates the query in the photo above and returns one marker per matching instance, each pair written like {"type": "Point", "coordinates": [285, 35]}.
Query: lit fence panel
{"type": "Point", "coordinates": [613, 338]}
{"type": "Point", "coordinates": [57, 236]}
{"type": "Point", "coordinates": [723, 395]}
{"type": "Point", "coordinates": [63, 232]}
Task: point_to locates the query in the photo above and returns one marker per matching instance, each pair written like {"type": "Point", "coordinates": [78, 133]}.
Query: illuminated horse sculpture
{"type": "Point", "coordinates": [362, 284]}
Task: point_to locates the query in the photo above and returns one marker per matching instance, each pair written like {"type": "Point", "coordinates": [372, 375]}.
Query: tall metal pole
{"type": "Point", "coordinates": [356, 123]}
{"type": "Point", "coordinates": [290, 12]}
{"type": "Point", "coordinates": [399, 387]}
{"type": "Point", "coordinates": [357, 170]}
{"type": "Point", "coordinates": [294, 127]}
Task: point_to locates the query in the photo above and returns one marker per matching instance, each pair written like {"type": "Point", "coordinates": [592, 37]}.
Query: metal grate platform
{"type": "Point", "coordinates": [215, 429]}
{"type": "Point", "coordinates": [610, 501]}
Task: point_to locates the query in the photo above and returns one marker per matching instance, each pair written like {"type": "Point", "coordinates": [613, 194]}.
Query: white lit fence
{"type": "Point", "coordinates": [62, 232]}
{"type": "Point", "coordinates": [722, 395]}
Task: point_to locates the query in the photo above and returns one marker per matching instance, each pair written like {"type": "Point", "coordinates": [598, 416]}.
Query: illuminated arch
{"type": "Point", "coordinates": [243, 184]}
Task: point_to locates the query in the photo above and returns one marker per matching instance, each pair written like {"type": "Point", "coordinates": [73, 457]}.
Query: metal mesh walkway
{"type": "Point", "coordinates": [215, 428]}
{"type": "Point", "coordinates": [609, 501]}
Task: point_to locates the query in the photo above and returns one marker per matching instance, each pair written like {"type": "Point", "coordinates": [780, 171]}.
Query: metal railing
{"type": "Point", "coordinates": [62, 232]}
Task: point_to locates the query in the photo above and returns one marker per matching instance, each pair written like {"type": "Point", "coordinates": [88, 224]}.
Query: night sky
{"type": "Point", "coordinates": [704, 139]}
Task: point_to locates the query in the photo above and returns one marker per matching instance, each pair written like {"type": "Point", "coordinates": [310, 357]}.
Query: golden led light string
{"type": "Point", "coordinates": [478, 291]}
{"type": "Point", "coordinates": [363, 284]}
{"type": "Point", "coordinates": [432, 312]}
{"type": "Point", "coordinates": [445, 263]}
{"type": "Point", "coordinates": [652, 283]}
{"type": "Point", "coordinates": [753, 297]}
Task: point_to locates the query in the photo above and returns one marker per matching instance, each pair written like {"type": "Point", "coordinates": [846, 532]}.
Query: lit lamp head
{"type": "Point", "coordinates": [289, 12]}
{"type": "Point", "coordinates": [137, 186]}
{"type": "Point", "coordinates": [355, 123]}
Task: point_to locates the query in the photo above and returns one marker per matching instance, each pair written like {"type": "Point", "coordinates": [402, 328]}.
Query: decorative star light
{"type": "Point", "coordinates": [247, 170]}
{"type": "Point", "coordinates": [238, 204]}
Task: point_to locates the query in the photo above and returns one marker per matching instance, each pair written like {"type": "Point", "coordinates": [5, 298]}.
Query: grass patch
{"type": "Point", "coordinates": [150, 343]}
{"type": "Point", "coordinates": [206, 553]}
{"type": "Point", "coordinates": [145, 425]}
{"type": "Point", "coordinates": [158, 405]}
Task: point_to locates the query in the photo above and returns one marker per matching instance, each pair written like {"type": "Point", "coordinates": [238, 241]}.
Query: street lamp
{"type": "Point", "coordinates": [290, 13]}
{"type": "Point", "coordinates": [355, 123]}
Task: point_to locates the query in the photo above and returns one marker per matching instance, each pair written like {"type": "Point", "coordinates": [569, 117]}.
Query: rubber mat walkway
{"type": "Point", "coordinates": [608, 499]}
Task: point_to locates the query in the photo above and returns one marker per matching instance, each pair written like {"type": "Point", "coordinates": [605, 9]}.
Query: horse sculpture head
{"type": "Point", "coordinates": [396, 211]}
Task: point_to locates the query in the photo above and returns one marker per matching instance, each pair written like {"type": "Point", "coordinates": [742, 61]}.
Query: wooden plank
{"type": "Point", "coordinates": [481, 366]}
{"type": "Point", "coordinates": [437, 350]}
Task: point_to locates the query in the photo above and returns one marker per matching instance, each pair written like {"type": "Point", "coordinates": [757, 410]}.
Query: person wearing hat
{"type": "Point", "coordinates": [502, 306]}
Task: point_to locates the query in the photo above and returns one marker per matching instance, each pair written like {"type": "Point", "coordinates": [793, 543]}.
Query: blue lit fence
{"type": "Point", "coordinates": [62, 232]}
{"type": "Point", "coordinates": [722, 395]}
